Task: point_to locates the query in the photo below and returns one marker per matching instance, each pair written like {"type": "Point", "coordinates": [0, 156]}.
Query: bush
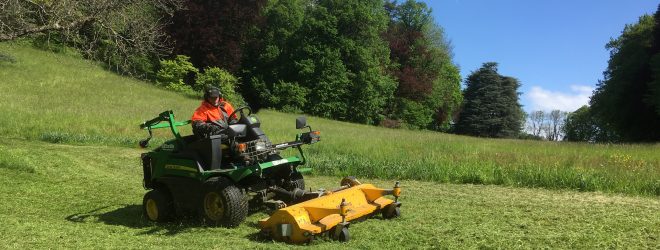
{"type": "Point", "coordinates": [173, 72]}
{"type": "Point", "coordinates": [415, 115]}
{"type": "Point", "coordinates": [289, 97]}
{"type": "Point", "coordinates": [225, 81]}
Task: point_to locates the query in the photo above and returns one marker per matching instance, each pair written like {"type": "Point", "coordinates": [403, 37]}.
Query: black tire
{"type": "Point", "coordinates": [349, 181]}
{"type": "Point", "coordinates": [344, 235]}
{"type": "Point", "coordinates": [222, 204]}
{"type": "Point", "coordinates": [296, 180]}
{"type": "Point", "coordinates": [391, 211]}
{"type": "Point", "coordinates": [157, 206]}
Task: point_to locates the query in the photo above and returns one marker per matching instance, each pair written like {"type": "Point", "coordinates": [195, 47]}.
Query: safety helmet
{"type": "Point", "coordinates": [212, 92]}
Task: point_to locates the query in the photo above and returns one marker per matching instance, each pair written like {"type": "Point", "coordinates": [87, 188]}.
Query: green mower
{"type": "Point", "coordinates": [223, 177]}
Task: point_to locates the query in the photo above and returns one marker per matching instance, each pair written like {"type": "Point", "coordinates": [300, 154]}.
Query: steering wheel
{"type": "Point", "coordinates": [240, 110]}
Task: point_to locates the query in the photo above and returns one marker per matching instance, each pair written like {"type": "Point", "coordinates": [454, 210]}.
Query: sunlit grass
{"type": "Point", "coordinates": [90, 197]}
{"type": "Point", "coordinates": [62, 99]}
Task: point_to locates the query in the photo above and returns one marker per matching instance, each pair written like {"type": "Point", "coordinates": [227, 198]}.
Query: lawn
{"type": "Point", "coordinates": [63, 196]}
{"type": "Point", "coordinates": [70, 175]}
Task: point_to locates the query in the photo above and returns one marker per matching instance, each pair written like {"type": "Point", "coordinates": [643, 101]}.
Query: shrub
{"type": "Point", "coordinates": [289, 97]}
{"type": "Point", "coordinates": [173, 72]}
{"type": "Point", "coordinates": [415, 115]}
{"type": "Point", "coordinates": [225, 81]}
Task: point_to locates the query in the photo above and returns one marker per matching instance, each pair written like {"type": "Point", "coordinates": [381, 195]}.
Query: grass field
{"type": "Point", "coordinates": [62, 99]}
{"type": "Point", "coordinates": [63, 196]}
{"type": "Point", "coordinates": [70, 175]}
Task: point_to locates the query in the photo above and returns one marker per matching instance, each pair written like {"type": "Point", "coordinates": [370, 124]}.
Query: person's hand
{"type": "Point", "coordinates": [220, 124]}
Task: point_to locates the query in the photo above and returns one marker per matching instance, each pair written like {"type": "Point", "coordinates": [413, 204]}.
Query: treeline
{"type": "Point", "coordinates": [376, 62]}
{"type": "Point", "coordinates": [625, 106]}
{"type": "Point", "coordinates": [370, 62]}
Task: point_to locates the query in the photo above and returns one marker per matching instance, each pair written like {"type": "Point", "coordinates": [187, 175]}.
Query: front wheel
{"type": "Point", "coordinates": [157, 206]}
{"type": "Point", "coordinates": [223, 204]}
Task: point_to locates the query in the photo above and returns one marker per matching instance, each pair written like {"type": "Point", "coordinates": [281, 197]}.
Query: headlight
{"type": "Point", "coordinates": [260, 146]}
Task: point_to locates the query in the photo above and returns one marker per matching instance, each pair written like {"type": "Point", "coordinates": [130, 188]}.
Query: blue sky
{"type": "Point", "coordinates": [555, 48]}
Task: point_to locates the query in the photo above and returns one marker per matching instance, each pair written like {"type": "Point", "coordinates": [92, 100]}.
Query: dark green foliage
{"type": "Point", "coordinates": [581, 125]}
{"type": "Point", "coordinates": [490, 105]}
{"type": "Point", "coordinates": [328, 54]}
{"type": "Point", "coordinates": [213, 33]}
{"type": "Point", "coordinates": [225, 81]}
{"type": "Point", "coordinates": [626, 100]}
{"type": "Point", "coordinates": [653, 98]}
{"type": "Point", "coordinates": [269, 55]}
{"type": "Point", "coordinates": [423, 66]}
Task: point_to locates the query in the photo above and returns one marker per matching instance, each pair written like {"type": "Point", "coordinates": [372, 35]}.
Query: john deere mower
{"type": "Point", "coordinates": [223, 177]}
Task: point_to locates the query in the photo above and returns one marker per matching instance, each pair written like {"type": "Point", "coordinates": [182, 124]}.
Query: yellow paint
{"type": "Point", "coordinates": [322, 214]}
{"type": "Point", "coordinates": [179, 167]}
{"type": "Point", "coordinates": [152, 210]}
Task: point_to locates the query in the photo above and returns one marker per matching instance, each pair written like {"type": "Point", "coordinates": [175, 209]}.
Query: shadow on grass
{"type": "Point", "coordinates": [131, 216]}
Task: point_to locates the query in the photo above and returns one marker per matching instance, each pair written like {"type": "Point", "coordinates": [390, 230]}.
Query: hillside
{"type": "Point", "coordinates": [62, 99]}
{"type": "Point", "coordinates": [70, 174]}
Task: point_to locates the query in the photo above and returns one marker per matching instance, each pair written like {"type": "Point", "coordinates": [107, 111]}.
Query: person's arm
{"type": "Point", "coordinates": [229, 109]}
{"type": "Point", "coordinates": [201, 127]}
{"type": "Point", "coordinates": [205, 129]}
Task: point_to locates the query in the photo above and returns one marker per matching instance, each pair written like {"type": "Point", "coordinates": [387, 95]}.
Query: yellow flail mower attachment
{"type": "Point", "coordinates": [330, 212]}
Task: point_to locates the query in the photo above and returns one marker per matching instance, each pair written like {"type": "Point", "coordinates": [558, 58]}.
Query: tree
{"type": "Point", "coordinates": [581, 125]}
{"type": "Point", "coordinates": [653, 97]}
{"type": "Point", "coordinates": [490, 105]}
{"type": "Point", "coordinates": [269, 70]}
{"type": "Point", "coordinates": [126, 35]}
{"type": "Point", "coordinates": [536, 122]}
{"type": "Point", "coordinates": [428, 93]}
{"type": "Point", "coordinates": [328, 50]}
{"type": "Point", "coordinates": [214, 32]}
{"type": "Point", "coordinates": [554, 126]}
{"type": "Point", "coordinates": [625, 100]}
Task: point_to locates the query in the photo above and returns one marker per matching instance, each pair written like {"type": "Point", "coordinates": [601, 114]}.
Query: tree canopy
{"type": "Point", "coordinates": [626, 99]}
{"type": "Point", "coordinates": [428, 93]}
{"type": "Point", "coordinates": [490, 105]}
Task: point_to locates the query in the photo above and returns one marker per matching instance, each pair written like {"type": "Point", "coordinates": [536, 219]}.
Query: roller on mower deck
{"type": "Point", "coordinates": [330, 212]}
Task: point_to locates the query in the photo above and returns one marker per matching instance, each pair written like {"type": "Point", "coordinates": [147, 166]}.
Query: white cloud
{"type": "Point", "coordinates": [542, 99]}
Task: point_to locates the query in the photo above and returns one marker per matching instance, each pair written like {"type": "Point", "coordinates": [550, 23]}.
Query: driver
{"type": "Point", "coordinates": [212, 116]}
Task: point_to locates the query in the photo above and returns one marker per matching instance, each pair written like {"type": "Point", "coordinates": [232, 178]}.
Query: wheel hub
{"type": "Point", "coordinates": [213, 206]}
{"type": "Point", "coordinates": [152, 210]}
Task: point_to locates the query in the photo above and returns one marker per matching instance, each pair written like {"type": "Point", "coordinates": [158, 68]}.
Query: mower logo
{"type": "Point", "coordinates": [178, 167]}
{"type": "Point", "coordinates": [278, 162]}
{"type": "Point", "coordinates": [168, 147]}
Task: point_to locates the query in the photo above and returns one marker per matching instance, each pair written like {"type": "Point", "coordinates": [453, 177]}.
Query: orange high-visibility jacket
{"type": "Point", "coordinates": [207, 112]}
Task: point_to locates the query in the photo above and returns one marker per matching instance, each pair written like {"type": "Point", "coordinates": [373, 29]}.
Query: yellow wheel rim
{"type": "Point", "coordinates": [152, 210]}
{"type": "Point", "coordinates": [213, 206]}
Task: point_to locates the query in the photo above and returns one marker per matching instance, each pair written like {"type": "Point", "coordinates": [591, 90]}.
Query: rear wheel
{"type": "Point", "coordinates": [223, 204]}
{"type": "Point", "coordinates": [296, 180]}
{"type": "Point", "coordinates": [157, 206]}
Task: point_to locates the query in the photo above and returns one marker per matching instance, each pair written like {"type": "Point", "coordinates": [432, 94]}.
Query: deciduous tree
{"type": "Point", "coordinates": [625, 99]}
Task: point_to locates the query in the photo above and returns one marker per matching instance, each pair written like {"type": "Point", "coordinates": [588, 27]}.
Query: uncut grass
{"type": "Point", "coordinates": [90, 197]}
{"type": "Point", "coordinates": [62, 99]}
{"type": "Point", "coordinates": [352, 149]}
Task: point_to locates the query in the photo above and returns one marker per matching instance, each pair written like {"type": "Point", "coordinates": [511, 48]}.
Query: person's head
{"type": "Point", "coordinates": [212, 95]}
